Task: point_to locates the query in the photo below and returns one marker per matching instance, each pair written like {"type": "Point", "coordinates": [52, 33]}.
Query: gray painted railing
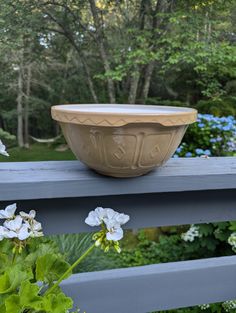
{"type": "Point", "coordinates": [184, 191]}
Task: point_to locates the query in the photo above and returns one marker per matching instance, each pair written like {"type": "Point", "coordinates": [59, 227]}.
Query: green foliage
{"type": "Point", "coordinates": [25, 277]}
{"type": "Point", "coordinates": [72, 245]}
{"type": "Point", "coordinates": [224, 106]}
{"type": "Point", "coordinates": [37, 152]}
{"type": "Point", "coordinates": [220, 107]}
{"type": "Point", "coordinates": [158, 101]}
{"type": "Point", "coordinates": [7, 138]}
{"type": "Point", "coordinates": [187, 48]}
{"type": "Point", "coordinates": [50, 267]}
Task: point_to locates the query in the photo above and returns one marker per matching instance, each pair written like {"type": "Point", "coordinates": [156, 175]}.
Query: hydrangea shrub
{"type": "Point", "coordinates": [210, 136]}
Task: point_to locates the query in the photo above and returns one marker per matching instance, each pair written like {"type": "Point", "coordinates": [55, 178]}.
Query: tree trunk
{"type": "Point", "coordinates": [133, 87]}
{"type": "Point", "coordinates": [100, 38]}
{"type": "Point", "coordinates": [26, 108]}
{"type": "Point", "coordinates": [145, 8]}
{"type": "Point", "coordinates": [69, 35]}
{"type": "Point", "coordinates": [89, 79]}
{"type": "Point", "coordinates": [147, 81]}
{"type": "Point", "coordinates": [86, 68]}
{"type": "Point", "coordinates": [162, 6]}
{"type": "Point", "coordinates": [20, 130]}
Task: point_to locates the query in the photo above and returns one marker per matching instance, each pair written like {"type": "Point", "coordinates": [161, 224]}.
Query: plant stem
{"type": "Point", "coordinates": [14, 257]}
{"type": "Point", "coordinates": [80, 259]}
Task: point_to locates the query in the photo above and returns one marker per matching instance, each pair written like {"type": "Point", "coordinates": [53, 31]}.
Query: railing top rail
{"type": "Point", "coordinates": [61, 179]}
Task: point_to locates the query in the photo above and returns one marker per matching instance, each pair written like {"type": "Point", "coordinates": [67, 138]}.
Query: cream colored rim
{"type": "Point", "coordinates": [122, 114]}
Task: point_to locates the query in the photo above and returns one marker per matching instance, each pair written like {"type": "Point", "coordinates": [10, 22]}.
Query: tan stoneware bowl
{"type": "Point", "coordinates": [123, 140]}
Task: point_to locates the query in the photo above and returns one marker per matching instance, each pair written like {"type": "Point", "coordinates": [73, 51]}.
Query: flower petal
{"type": "Point", "coordinates": [23, 232]}
{"type": "Point", "coordinates": [31, 215]}
{"type": "Point", "coordinates": [11, 234]}
{"type": "Point", "coordinates": [122, 218]}
{"type": "Point", "coordinates": [93, 219]}
{"type": "Point", "coordinates": [115, 235]}
{"type": "Point", "coordinates": [110, 213]}
{"type": "Point", "coordinates": [8, 212]}
{"type": "Point", "coordinates": [14, 224]}
{"type": "Point", "coordinates": [3, 232]}
{"type": "Point", "coordinates": [100, 212]}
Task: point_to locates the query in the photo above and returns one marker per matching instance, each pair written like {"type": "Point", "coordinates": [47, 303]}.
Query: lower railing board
{"type": "Point", "coordinates": [154, 287]}
{"type": "Point", "coordinates": [146, 210]}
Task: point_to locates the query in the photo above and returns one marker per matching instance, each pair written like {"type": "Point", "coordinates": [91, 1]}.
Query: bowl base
{"type": "Point", "coordinates": [123, 175]}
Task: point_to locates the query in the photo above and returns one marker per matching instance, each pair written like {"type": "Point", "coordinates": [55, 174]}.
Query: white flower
{"type": "Point", "coordinates": [229, 305]}
{"type": "Point", "coordinates": [115, 232]}
{"type": "Point", "coordinates": [232, 240]}
{"type": "Point", "coordinates": [35, 228]}
{"type": "Point", "coordinates": [204, 306]}
{"type": "Point", "coordinates": [96, 217]}
{"type": "Point", "coordinates": [119, 218]}
{"type": "Point", "coordinates": [100, 215]}
{"type": "Point", "coordinates": [9, 212]}
{"type": "Point", "coordinates": [17, 229]}
{"type": "Point", "coordinates": [28, 216]}
{"type": "Point", "coordinates": [112, 221]}
{"type": "Point", "coordinates": [191, 234]}
{"type": "Point", "coordinates": [3, 149]}
{"type": "Point", "coordinates": [3, 232]}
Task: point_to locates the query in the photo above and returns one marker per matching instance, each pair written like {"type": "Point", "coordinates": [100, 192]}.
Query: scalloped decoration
{"type": "Point", "coordinates": [179, 116]}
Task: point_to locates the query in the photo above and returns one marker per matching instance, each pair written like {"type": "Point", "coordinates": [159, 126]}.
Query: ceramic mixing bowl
{"type": "Point", "coordinates": [123, 140]}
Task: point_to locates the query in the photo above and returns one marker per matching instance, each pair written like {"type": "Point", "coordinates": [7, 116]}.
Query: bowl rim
{"type": "Point", "coordinates": [164, 115]}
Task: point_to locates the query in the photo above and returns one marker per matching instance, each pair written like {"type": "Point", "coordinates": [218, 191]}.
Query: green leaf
{"type": "Point", "coordinates": [13, 277]}
{"type": "Point", "coordinates": [58, 303]}
{"type": "Point", "coordinates": [232, 226]}
{"type": "Point", "coordinates": [2, 303]}
{"type": "Point", "coordinates": [4, 262]}
{"type": "Point", "coordinates": [27, 298]}
{"type": "Point", "coordinates": [206, 229]}
{"type": "Point", "coordinates": [6, 247]}
{"type": "Point", "coordinates": [12, 304]}
{"type": "Point", "coordinates": [50, 267]}
{"type": "Point", "coordinates": [39, 250]}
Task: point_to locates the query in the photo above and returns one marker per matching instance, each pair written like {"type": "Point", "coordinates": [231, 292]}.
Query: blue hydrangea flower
{"type": "Point", "coordinates": [199, 151]}
{"type": "Point", "coordinates": [226, 128]}
{"type": "Point", "coordinates": [201, 125]}
{"type": "Point", "coordinates": [188, 154]}
{"type": "Point", "coordinates": [212, 140]}
{"type": "Point", "coordinates": [207, 152]}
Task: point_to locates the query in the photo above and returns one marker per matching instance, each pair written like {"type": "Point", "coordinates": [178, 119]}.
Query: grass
{"type": "Point", "coordinates": [37, 152]}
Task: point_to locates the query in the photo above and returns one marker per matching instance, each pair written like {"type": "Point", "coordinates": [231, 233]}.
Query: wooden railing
{"type": "Point", "coordinates": [185, 191]}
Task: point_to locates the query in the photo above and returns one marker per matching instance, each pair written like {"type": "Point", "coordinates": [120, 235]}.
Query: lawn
{"type": "Point", "coordinates": [37, 152]}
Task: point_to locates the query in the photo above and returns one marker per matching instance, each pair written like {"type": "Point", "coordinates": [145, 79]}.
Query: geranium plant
{"type": "Point", "coordinates": [31, 266]}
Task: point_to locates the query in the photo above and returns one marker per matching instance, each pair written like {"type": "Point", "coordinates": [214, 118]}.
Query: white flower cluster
{"type": "Point", "coordinates": [232, 240]}
{"type": "Point", "coordinates": [3, 149]}
{"type": "Point", "coordinates": [229, 305]}
{"type": "Point", "coordinates": [204, 306]}
{"type": "Point", "coordinates": [111, 219]}
{"type": "Point", "coordinates": [191, 234]}
{"type": "Point", "coordinates": [20, 226]}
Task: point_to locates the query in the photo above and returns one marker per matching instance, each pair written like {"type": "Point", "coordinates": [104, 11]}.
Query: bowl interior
{"type": "Point", "coordinates": [126, 109]}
